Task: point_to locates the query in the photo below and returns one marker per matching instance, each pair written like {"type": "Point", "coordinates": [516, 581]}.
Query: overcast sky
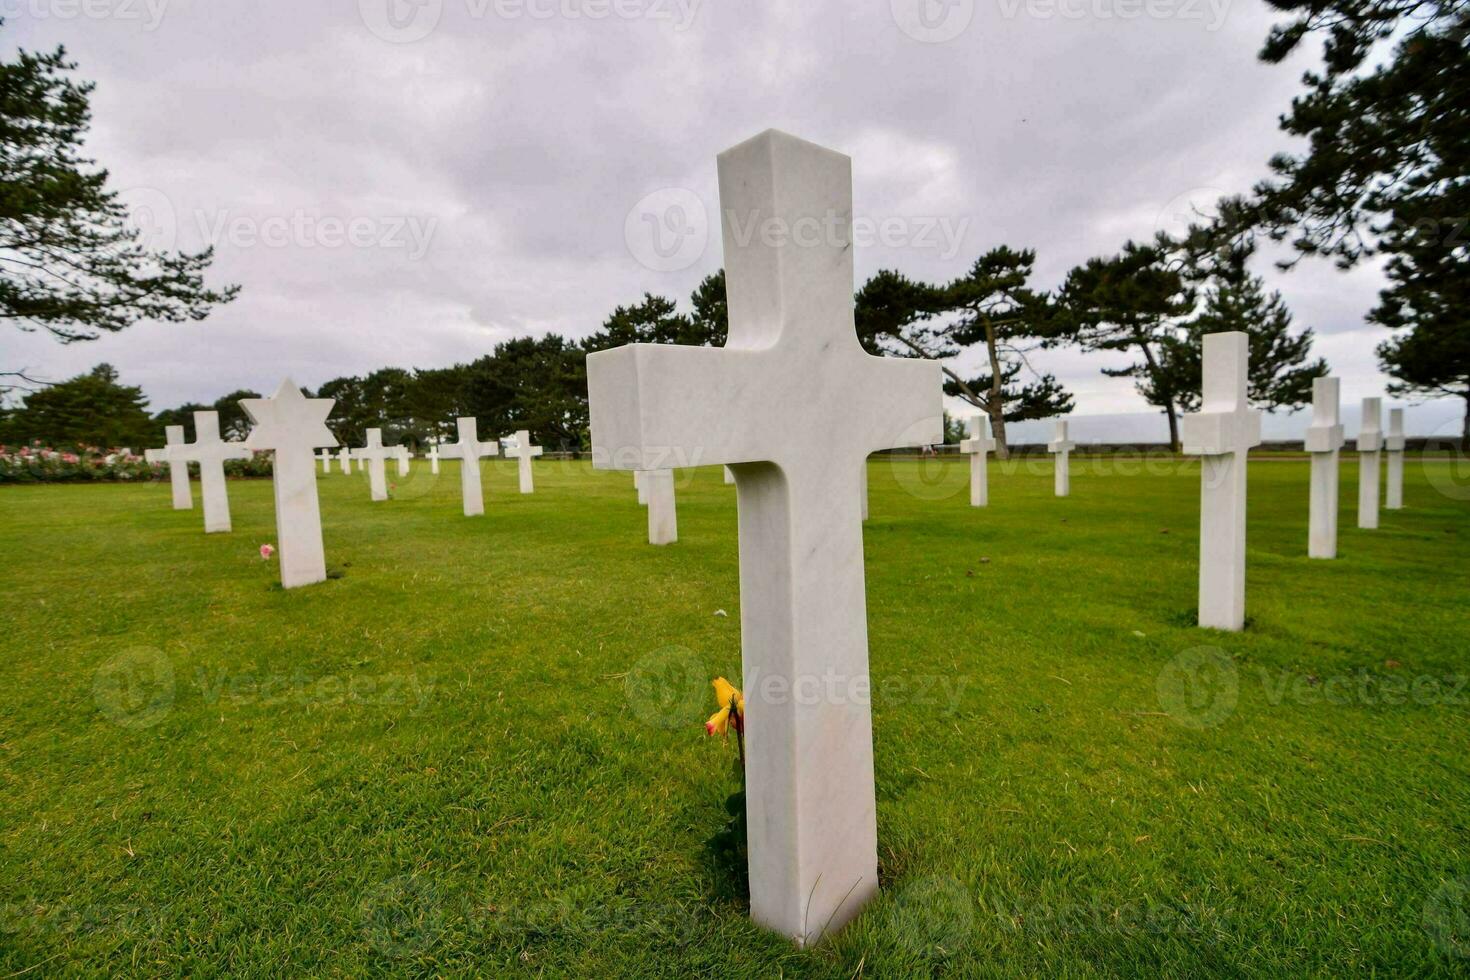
{"type": "Point", "coordinates": [408, 182]}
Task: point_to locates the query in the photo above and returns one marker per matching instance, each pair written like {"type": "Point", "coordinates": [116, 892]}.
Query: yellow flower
{"type": "Point", "coordinates": [728, 698]}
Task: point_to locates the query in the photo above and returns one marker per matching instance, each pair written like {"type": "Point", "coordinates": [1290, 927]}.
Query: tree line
{"type": "Point", "coordinates": [1147, 300]}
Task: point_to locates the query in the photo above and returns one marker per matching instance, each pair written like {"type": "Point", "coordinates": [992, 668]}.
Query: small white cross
{"type": "Point", "coordinates": [433, 457]}
{"type": "Point", "coordinates": [523, 452]}
{"type": "Point", "coordinates": [1393, 448]}
{"type": "Point", "coordinates": [468, 451]}
{"type": "Point", "coordinates": [210, 452]}
{"type": "Point", "coordinates": [1223, 432]}
{"type": "Point", "coordinates": [1062, 447]}
{"type": "Point", "coordinates": [325, 457]}
{"type": "Point", "coordinates": [371, 455]}
{"type": "Point", "coordinates": [978, 446]}
{"type": "Point", "coordinates": [403, 454]}
{"type": "Point", "coordinates": [344, 460]}
{"type": "Point", "coordinates": [1324, 441]}
{"type": "Point", "coordinates": [1370, 449]}
{"type": "Point", "coordinates": [178, 473]}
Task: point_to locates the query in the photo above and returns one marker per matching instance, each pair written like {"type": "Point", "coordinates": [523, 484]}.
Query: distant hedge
{"type": "Point", "coordinates": [93, 464]}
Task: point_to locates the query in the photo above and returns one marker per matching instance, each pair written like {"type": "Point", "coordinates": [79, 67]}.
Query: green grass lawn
{"type": "Point", "coordinates": [480, 749]}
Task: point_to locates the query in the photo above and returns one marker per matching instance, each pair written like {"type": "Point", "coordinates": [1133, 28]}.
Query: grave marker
{"type": "Point", "coordinates": [1324, 441]}
{"type": "Point", "coordinates": [524, 451]}
{"type": "Point", "coordinates": [371, 457]}
{"type": "Point", "coordinates": [794, 405]}
{"type": "Point", "coordinates": [979, 446]}
{"type": "Point", "coordinates": [178, 472]}
{"type": "Point", "coordinates": [1370, 445]}
{"type": "Point", "coordinates": [293, 425]}
{"type": "Point", "coordinates": [1223, 432]}
{"type": "Point", "coordinates": [1062, 447]}
{"type": "Point", "coordinates": [210, 452]}
{"type": "Point", "coordinates": [468, 451]}
{"type": "Point", "coordinates": [1393, 448]}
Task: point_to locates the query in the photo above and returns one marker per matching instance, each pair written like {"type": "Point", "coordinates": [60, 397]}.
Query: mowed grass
{"type": "Point", "coordinates": [479, 750]}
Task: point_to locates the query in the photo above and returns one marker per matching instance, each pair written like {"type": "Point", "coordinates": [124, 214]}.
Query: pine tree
{"type": "Point", "coordinates": [92, 409]}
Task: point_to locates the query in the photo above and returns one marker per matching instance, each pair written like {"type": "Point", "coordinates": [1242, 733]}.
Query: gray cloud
{"type": "Point", "coordinates": [515, 137]}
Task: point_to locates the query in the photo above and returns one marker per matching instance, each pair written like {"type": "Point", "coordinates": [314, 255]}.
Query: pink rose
{"type": "Point", "coordinates": [266, 551]}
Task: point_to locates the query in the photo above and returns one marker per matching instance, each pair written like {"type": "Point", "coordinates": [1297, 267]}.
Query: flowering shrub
{"type": "Point", "coordinates": [90, 464]}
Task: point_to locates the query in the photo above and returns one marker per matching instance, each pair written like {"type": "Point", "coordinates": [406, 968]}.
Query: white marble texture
{"type": "Point", "coordinates": [793, 405]}
{"type": "Point", "coordinates": [469, 451]}
{"type": "Point", "coordinates": [1393, 449]}
{"type": "Point", "coordinates": [433, 457]}
{"type": "Point", "coordinates": [979, 446]}
{"type": "Point", "coordinates": [639, 486]}
{"type": "Point", "coordinates": [293, 425]}
{"type": "Point", "coordinates": [210, 452]}
{"type": "Point", "coordinates": [402, 456]}
{"type": "Point", "coordinates": [344, 460]}
{"type": "Point", "coordinates": [729, 475]}
{"type": "Point", "coordinates": [178, 473]}
{"type": "Point", "coordinates": [371, 457]}
{"type": "Point", "coordinates": [524, 452]}
{"type": "Point", "coordinates": [1324, 441]}
{"type": "Point", "coordinates": [1223, 432]}
{"type": "Point", "coordinates": [1370, 449]}
{"type": "Point", "coordinates": [663, 518]}
{"type": "Point", "coordinates": [325, 458]}
{"type": "Point", "coordinates": [1061, 447]}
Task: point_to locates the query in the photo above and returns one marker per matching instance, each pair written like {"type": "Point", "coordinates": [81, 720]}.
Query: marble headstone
{"type": "Point", "coordinates": [1222, 432]}
{"type": "Point", "coordinates": [293, 425]}
{"type": "Point", "coordinates": [371, 457]}
{"type": "Point", "coordinates": [663, 518]}
{"type": "Point", "coordinates": [1324, 441]}
{"type": "Point", "coordinates": [178, 472]}
{"type": "Point", "coordinates": [403, 455]}
{"type": "Point", "coordinates": [210, 452]}
{"type": "Point", "coordinates": [766, 405]}
{"type": "Point", "coordinates": [1370, 447]}
{"type": "Point", "coordinates": [1393, 448]}
{"type": "Point", "coordinates": [469, 451]}
{"type": "Point", "coordinates": [1061, 447]}
{"type": "Point", "coordinates": [344, 460]}
{"type": "Point", "coordinates": [524, 452]}
{"type": "Point", "coordinates": [326, 459]}
{"type": "Point", "coordinates": [433, 457]}
{"type": "Point", "coordinates": [979, 446]}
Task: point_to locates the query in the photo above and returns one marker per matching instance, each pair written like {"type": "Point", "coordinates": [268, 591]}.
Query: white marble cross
{"type": "Point", "coordinates": [468, 451]}
{"type": "Point", "coordinates": [663, 519]}
{"type": "Point", "coordinates": [210, 452]}
{"type": "Point", "coordinates": [433, 457]}
{"type": "Point", "coordinates": [979, 446]}
{"type": "Point", "coordinates": [326, 459]}
{"type": "Point", "coordinates": [293, 425]}
{"type": "Point", "coordinates": [1393, 448]}
{"type": "Point", "coordinates": [402, 454]}
{"type": "Point", "coordinates": [1223, 432]}
{"type": "Point", "coordinates": [1062, 447]}
{"type": "Point", "coordinates": [1324, 440]}
{"type": "Point", "coordinates": [178, 472]}
{"type": "Point", "coordinates": [371, 457]}
{"type": "Point", "coordinates": [344, 460]}
{"type": "Point", "coordinates": [793, 404]}
{"type": "Point", "coordinates": [1370, 446]}
{"type": "Point", "coordinates": [523, 452]}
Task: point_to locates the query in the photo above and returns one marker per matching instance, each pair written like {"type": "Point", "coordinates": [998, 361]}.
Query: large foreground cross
{"type": "Point", "coordinates": [793, 404]}
{"type": "Point", "coordinates": [1223, 432]}
{"type": "Point", "coordinates": [468, 451]}
{"type": "Point", "coordinates": [293, 425]}
{"type": "Point", "coordinates": [210, 452]}
{"type": "Point", "coordinates": [178, 472]}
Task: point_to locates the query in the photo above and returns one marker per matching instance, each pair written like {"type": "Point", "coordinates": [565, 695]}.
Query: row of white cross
{"type": "Point", "coordinates": [793, 406]}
